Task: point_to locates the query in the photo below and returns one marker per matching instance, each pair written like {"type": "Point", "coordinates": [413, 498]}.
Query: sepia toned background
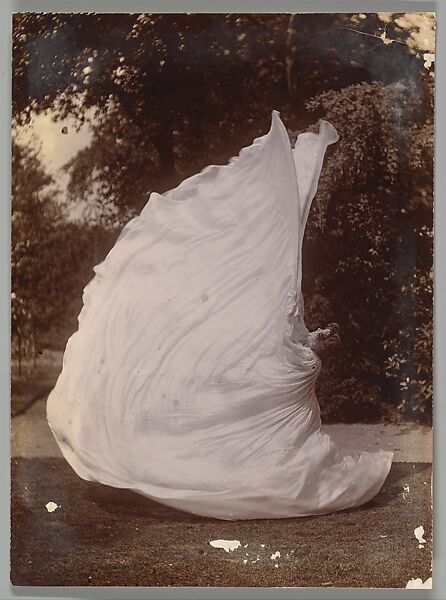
{"type": "Point", "coordinates": [108, 107]}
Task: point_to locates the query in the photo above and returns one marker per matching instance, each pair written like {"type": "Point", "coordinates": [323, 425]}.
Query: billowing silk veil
{"type": "Point", "coordinates": [191, 378]}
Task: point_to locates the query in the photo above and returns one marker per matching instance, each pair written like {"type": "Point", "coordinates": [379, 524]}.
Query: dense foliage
{"type": "Point", "coordinates": [166, 95]}
{"type": "Point", "coordinates": [373, 264]}
{"type": "Point", "coordinates": [51, 258]}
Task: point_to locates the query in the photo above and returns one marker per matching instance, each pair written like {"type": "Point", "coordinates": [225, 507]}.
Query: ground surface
{"type": "Point", "coordinates": [104, 536]}
{"type": "Point", "coordinates": [36, 379]}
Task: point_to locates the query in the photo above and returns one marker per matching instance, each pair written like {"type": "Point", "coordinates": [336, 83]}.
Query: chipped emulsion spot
{"type": "Point", "coordinates": [226, 545]}
{"type": "Point", "coordinates": [419, 534]}
{"type": "Point", "coordinates": [275, 555]}
{"type": "Point", "coordinates": [417, 584]}
{"type": "Point", "coordinates": [51, 506]}
{"type": "Point", "coordinates": [429, 58]}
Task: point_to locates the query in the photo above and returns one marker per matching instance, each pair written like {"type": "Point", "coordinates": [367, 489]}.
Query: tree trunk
{"type": "Point", "coordinates": [163, 143]}
{"type": "Point", "coordinates": [291, 53]}
{"type": "Point", "coordinates": [19, 339]}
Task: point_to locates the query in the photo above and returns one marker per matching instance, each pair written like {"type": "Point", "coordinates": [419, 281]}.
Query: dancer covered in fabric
{"type": "Point", "coordinates": [191, 376]}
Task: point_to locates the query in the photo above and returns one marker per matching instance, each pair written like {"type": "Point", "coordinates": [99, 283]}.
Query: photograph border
{"type": "Point", "coordinates": [7, 8]}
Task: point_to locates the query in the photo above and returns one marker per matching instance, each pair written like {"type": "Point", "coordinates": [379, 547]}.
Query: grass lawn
{"type": "Point", "coordinates": [104, 536]}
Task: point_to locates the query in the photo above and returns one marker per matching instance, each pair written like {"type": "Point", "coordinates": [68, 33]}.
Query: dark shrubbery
{"type": "Point", "coordinates": [370, 248]}
{"type": "Point", "coordinates": [51, 260]}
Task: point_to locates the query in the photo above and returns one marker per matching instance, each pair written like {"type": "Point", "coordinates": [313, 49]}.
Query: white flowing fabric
{"type": "Point", "coordinates": [191, 377]}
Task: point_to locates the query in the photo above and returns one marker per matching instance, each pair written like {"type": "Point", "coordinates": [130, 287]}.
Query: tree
{"type": "Point", "coordinates": [174, 91]}
{"type": "Point", "coordinates": [171, 93]}
{"type": "Point", "coordinates": [333, 51]}
{"type": "Point", "coordinates": [372, 271]}
{"type": "Point", "coordinates": [51, 260]}
{"type": "Point", "coordinates": [35, 213]}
